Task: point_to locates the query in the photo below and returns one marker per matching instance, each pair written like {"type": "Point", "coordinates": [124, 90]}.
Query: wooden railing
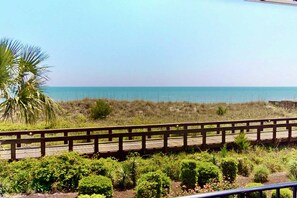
{"type": "Point", "coordinates": [145, 133]}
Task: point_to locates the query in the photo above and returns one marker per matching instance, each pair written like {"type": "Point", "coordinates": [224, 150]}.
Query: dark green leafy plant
{"type": "Point", "coordinates": [163, 182]}
{"type": "Point", "coordinates": [207, 172]}
{"type": "Point", "coordinates": [229, 168]}
{"type": "Point", "coordinates": [188, 173]}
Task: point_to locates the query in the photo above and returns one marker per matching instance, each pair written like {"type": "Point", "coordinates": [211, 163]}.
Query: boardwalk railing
{"type": "Point", "coordinates": [242, 192]}
{"type": "Point", "coordinates": [175, 135]}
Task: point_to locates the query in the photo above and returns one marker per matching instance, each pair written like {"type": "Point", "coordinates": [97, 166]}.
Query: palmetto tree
{"type": "Point", "coordinates": [22, 75]}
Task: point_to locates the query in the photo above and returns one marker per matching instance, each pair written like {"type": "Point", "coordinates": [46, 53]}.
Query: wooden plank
{"type": "Point", "coordinates": [19, 137]}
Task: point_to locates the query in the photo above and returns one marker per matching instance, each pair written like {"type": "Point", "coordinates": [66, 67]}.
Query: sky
{"type": "Point", "coordinates": [158, 42]}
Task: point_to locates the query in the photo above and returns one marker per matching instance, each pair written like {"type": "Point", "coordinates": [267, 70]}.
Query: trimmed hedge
{"type": "Point", "coordinates": [156, 180]}
{"type": "Point", "coordinates": [188, 173]}
{"type": "Point", "coordinates": [229, 168]}
{"type": "Point", "coordinates": [207, 172]}
{"type": "Point", "coordinates": [95, 184]}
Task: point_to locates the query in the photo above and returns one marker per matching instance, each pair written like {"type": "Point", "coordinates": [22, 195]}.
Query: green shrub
{"type": "Point", "coordinates": [261, 174]}
{"type": "Point", "coordinates": [188, 173]}
{"type": "Point", "coordinates": [221, 111]}
{"type": "Point", "coordinates": [148, 190]}
{"type": "Point", "coordinates": [59, 173]}
{"type": "Point", "coordinates": [19, 176]}
{"type": "Point", "coordinates": [163, 182]}
{"type": "Point", "coordinates": [245, 166]}
{"type": "Point", "coordinates": [91, 196]}
{"type": "Point", "coordinates": [284, 193]}
{"type": "Point", "coordinates": [224, 151]}
{"type": "Point", "coordinates": [207, 172]}
{"type": "Point", "coordinates": [229, 168]}
{"type": "Point", "coordinates": [100, 110]}
{"type": "Point", "coordinates": [255, 194]}
{"type": "Point", "coordinates": [95, 184]}
{"type": "Point", "coordinates": [293, 170]}
{"type": "Point", "coordinates": [241, 141]}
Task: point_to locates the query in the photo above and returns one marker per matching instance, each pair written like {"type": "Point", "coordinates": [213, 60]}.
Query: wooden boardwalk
{"type": "Point", "coordinates": [174, 139]}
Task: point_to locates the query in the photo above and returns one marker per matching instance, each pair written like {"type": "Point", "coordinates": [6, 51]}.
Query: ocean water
{"type": "Point", "coordinates": [190, 94]}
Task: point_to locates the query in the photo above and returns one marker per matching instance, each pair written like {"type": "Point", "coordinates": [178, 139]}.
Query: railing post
{"type": "Point", "coordinates": [96, 145]}
{"type": "Point", "coordinates": [65, 135]}
{"type": "Point", "coordinates": [258, 135]}
{"type": "Point", "coordinates": [12, 151]}
{"type": "Point", "coordinates": [149, 129]}
{"type": "Point", "coordinates": [233, 125]}
{"type": "Point", "coordinates": [223, 137]}
{"type": "Point", "coordinates": [110, 133]}
{"type": "Point", "coordinates": [248, 129]}
{"type": "Point", "coordinates": [274, 132]}
{"type": "Point", "coordinates": [260, 193]}
{"type": "Point", "coordinates": [130, 133]}
{"type": "Point", "coordinates": [218, 126]}
{"type": "Point", "coordinates": [70, 145]}
{"type": "Point", "coordinates": [18, 138]}
{"type": "Point", "coordinates": [278, 193]}
{"type": "Point", "coordinates": [202, 127]}
{"type": "Point", "coordinates": [203, 139]}
{"type": "Point", "coordinates": [42, 147]}
{"type": "Point", "coordinates": [143, 143]}
{"type": "Point", "coordinates": [185, 140]}
{"type": "Point", "coordinates": [88, 134]}
{"type": "Point", "coordinates": [289, 133]}
{"type": "Point", "coordinates": [121, 145]}
{"type": "Point", "coordinates": [165, 145]}
{"type": "Point", "coordinates": [294, 191]}
{"type": "Point", "coordinates": [185, 127]}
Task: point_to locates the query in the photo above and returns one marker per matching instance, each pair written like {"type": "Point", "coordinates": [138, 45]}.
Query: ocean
{"type": "Point", "coordinates": [190, 94]}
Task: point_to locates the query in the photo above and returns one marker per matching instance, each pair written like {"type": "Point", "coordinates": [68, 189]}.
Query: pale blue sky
{"type": "Point", "coordinates": [159, 42]}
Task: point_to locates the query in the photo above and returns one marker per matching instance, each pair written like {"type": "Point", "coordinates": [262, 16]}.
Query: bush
{"type": "Point", "coordinates": [255, 194]}
{"type": "Point", "coordinates": [188, 173]}
{"type": "Point", "coordinates": [245, 167]}
{"type": "Point", "coordinates": [221, 111]}
{"type": "Point", "coordinates": [261, 174]}
{"type": "Point", "coordinates": [91, 196]}
{"type": "Point", "coordinates": [229, 168]}
{"type": "Point", "coordinates": [293, 170]}
{"type": "Point", "coordinates": [241, 141]}
{"type": "Point", "coordinates": [163, 182]}
{"type": "Point", "coordinates": [59, 173]}
{"type": "Point", "coordinates": [207, 172]}
{"type": "Point", "coordinates": [148, 190]}
{"type": "Point", "coordinates": [100, 110]}
{"type": "Point", "coordinates": [284, 193]}
{"type": "Point", "coordinates": [95, 184]}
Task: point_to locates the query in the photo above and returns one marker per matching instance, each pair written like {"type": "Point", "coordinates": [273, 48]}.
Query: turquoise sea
{"type": "Point", "coordinates": [191, 94]}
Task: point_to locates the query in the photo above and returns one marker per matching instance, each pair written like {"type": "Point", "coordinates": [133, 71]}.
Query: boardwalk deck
{"type": "Point", "coordinates": [109, 148]}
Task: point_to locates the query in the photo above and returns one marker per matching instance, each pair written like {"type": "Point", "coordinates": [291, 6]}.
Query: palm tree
{"type": "Point", "coordinates": [22, 76]}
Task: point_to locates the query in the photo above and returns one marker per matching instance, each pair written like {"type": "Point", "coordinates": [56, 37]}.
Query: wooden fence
{"type": "Point", "coordinates": [43, 139]}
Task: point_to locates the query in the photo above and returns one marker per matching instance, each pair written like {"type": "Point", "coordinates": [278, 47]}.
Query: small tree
{"type": "Point", "coordinates": [22, 75]}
